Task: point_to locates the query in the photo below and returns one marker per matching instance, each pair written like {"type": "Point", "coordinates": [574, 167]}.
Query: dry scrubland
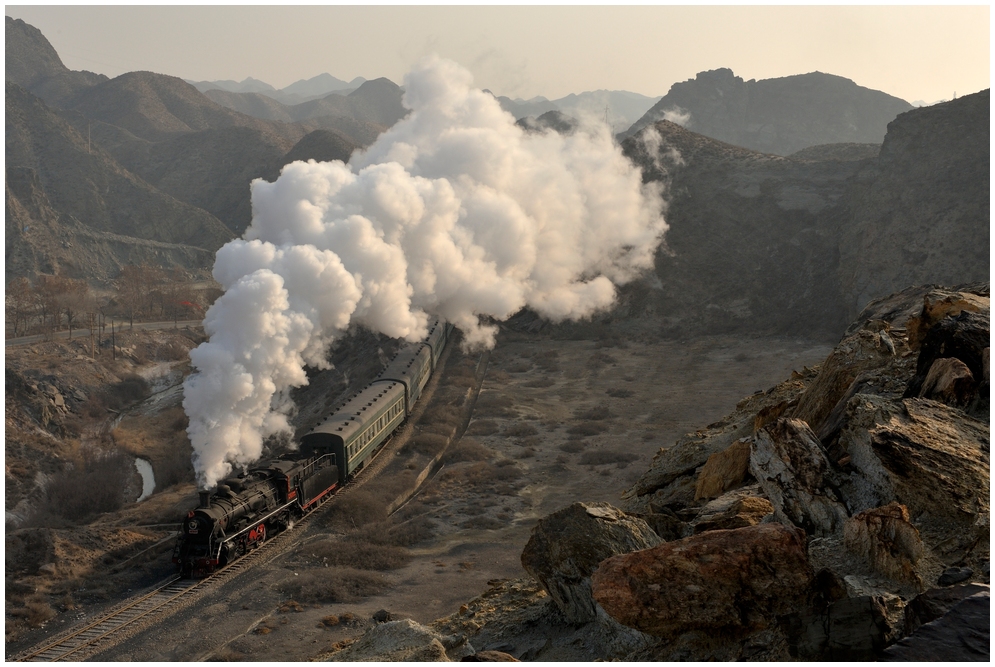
{"type": "Point", "coordinates": [556, 421]}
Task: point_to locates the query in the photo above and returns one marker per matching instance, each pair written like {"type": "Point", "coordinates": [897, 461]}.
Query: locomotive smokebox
{"type": "Point", "coordinates": [205, 500]}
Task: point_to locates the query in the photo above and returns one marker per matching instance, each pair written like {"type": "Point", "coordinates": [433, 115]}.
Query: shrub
{"type": "Point", "coordinates": [619, 393]}
{"type": "Point", "coordinates": [587, 428]}
{"type": "Point", "coordinates": [597, 413]}
{"type": "Point", "coordinates": [573, 446]}
{"type": "Point", "coordinates": [94, 486]}
{"type": "Point", "coordinates": [352, 551]}
{"type": "Point", "coordinates": [602, 457]}
{"type": "Point", "coordinates": [521, 366]}
{"type": "Point", "coordinates": [482, 427]}
{"type": "Point", "coordinates": [429, 444]}
{"type": "Point", "coordinates": [37, 611]}
{"type": "Point", "coordinates": [357, 509]}
{"type": "Point", "coordinates": [520, 430]}
{"type": "Point", "coordinates": [335, 585]}
{"type": "Point", "coordinates": [468, 449]}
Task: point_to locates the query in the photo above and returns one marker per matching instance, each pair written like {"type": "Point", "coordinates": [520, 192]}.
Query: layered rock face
{"type": "Point", "coordinates": [886, 472]}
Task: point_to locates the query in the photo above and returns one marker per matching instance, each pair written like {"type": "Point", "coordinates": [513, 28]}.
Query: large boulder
{"type": "Point", "coordinates": [846, 629]}
{"type": "Point", "coordinates": [566, 547]}
{"type": "Point", "coordinates": [886, 540]}
{"type": "Point", "coordinates": [791, 467]}
{"type": "Point", "coordinates": [721, 581]}
{"type": "Point", "coordinates": [939, 304]}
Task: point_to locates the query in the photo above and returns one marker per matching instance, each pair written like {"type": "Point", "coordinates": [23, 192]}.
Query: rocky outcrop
{"type": "Point", "coordinates": [567, 546]}
{"type": "Point", "coordinates": [733, 582]}
{"type": "Point", "coordinates": [403, 641]}
{"type": "Point", "coordinates": [735, 509]}
{"type": "Point", "coordinates": [723, 471]}
{"type": "Point", "coordinates": [788, 461]}
{"type": "Point", "coordinates": [672, 478]}
{"type": "Point", "coordinates": [808, 240]}
{"type": "Point", "coordinates": [886, 540]}
{"type": "Point", "coordinates": [928, 456]}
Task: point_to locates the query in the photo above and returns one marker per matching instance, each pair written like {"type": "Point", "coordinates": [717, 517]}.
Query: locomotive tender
{"type": "Point", "coordinates": [245, 510]}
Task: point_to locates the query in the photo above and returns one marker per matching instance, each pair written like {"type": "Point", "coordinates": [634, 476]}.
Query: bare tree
{"type": "Point", "coordinates": [48, 290]}
{"type": "Point", "coordinates": [73, 300]}
{"type": "Point", "coordinates": [21, 303]}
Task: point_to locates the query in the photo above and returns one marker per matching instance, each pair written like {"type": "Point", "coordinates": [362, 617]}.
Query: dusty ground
{"type": "Point", "coordinates": [557, 421]}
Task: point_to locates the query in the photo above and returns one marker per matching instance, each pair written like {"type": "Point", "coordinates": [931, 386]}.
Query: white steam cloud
{"type": "Point", "coordinates": [675, 114]}
{"type": "Point", "coordinates": [454, 211]}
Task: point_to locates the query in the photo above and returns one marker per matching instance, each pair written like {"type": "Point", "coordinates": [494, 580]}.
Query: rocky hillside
{"type": "Point", "coordinates": [779, 116]}
{"type": "Point", "coordinates": [921, 211]}
{"type": "Point", "coordinates": [52, 168]}
{"type": "Point", "coordinates": [840, 515]}
{"type": "Point", "coordinates": [800, 244]}
{"type": "Point", "coordinates": [750, 244]}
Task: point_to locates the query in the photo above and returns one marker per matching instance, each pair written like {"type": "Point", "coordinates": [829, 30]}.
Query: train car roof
{"type": "Point", "coordinates": [352, 416]}
{"type": "Point", "coordinates": [401, 363]}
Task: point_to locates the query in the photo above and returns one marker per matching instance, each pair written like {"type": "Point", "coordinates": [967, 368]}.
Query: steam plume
{"type": "Point", "coordinates": [454, 211]}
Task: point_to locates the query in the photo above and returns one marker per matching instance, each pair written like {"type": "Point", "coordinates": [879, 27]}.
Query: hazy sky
{"type": "Point", "coordinates": [916, 53]}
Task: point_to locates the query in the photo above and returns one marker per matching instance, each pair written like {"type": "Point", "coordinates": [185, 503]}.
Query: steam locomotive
{"type": "Point", "coordinates": [243, 511]}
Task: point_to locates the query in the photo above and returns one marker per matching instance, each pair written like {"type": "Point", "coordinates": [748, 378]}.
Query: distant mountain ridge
{"type": "Point", "coordinates": [623, 107]}
{"type": "Point", "coordinates": [33, 63]}
{"type": "Point", "coordinates": [298, 92]}
{"type": "Point", "coordinates": [779, 116]}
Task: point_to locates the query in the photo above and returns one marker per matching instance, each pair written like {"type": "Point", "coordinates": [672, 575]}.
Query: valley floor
{"type": "Point", "coordinates": [557, 421]}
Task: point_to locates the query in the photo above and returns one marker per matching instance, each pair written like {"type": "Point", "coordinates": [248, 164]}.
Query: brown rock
{"type": "Point", "coordinates": [730, 581]}
{"type": "Point", "coordinates": [743, 512]}
{"type": "Point", "coordinates": [887, 540]}
{"type": "Point", "coordinates": [788, 462]}
{"type": "Point", "coordinates": [490, 656]}
{"type": "Point", "coordinates": [939, 304]}
{"type": "Point", "coordinates": [723, 471]}
{"type": "Point", "coordinates": [857, 357]}
{"type": "Point", "coordinates": [567, 546]}
{"type": "Point", "coordinates": [925, 455]}
{"type": "Point", "coordinates": [949, 381]}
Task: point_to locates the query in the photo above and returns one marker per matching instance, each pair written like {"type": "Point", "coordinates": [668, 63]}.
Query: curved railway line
{"type": "Point", "coordinates": [109, 628]}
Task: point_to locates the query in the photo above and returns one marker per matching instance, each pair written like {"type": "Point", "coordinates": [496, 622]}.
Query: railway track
{"type": "Point", "coordinates": [110, 628]}
{"type": "Point", "coordinates": [168, 595]}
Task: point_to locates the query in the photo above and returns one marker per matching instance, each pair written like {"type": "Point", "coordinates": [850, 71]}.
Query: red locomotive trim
{"type": "Point", "coordinates": [321, 495]}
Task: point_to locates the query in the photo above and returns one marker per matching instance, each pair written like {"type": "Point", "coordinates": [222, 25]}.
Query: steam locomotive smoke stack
{"type": "Point", "coordinates": [454, 211]}
{"type": "Point", "coordinates": [205, 500]}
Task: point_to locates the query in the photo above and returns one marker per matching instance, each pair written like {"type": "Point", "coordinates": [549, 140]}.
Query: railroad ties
{"type": "Point", "coordinates": [68, 646]}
